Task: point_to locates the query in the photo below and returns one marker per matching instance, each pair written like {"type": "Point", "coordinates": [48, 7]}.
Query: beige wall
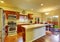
{"type": "Point", "coordinates": [54, 13]}
{"type": "Point", "coordinates": [1, 20]}
{"type": "Point", "coordinates": [59, 18]}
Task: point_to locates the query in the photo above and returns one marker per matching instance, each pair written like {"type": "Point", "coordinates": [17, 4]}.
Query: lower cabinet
{"type": "Point", "coordinates": [33, 34]}
{"type": "Point", "coordinates": [39, 32]}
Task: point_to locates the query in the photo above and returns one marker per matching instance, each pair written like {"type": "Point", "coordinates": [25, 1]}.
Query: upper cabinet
{"type": "Point", "coordinates": [16, 16]}
{"type": "Point", "coordinates": [11, 14]}
{"type": "Point", "coordinates": [30, 16]}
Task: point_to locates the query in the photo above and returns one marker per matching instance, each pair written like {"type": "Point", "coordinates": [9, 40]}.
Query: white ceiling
{"type": "Point", "coordinates": [35, 4]}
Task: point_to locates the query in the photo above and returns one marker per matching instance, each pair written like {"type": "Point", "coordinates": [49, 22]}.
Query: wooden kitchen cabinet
{"type": "Point", "coordinates": [30, 16]}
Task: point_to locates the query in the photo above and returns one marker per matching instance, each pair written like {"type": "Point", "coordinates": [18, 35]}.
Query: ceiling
{"type": "Point", "coordinates": [35, 5]}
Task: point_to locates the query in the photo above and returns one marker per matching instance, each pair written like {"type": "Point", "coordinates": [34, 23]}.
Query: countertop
{"type": "Point", "coordinates": [34, 26]}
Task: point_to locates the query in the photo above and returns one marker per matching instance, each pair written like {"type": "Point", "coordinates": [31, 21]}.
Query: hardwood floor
{"type": "Point", "coordinates": [40, 39]}
{"type": "Point", "coordinates": [47, 38]}
{"type": "Point", "coordinates": [16, 38]}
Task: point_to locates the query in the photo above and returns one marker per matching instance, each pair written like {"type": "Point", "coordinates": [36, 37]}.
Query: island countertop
{"type": "Point", "coordinates": [33, 26]}
{"type": "Point", "coordinates": [33, 31]}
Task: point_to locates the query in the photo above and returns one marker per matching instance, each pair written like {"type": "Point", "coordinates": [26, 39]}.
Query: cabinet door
{"type": "Point", "coordinates": [39, 32]}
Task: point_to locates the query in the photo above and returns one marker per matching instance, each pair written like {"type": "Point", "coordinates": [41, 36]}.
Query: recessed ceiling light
{"type": "Point", "coordinates": [46, 13]}
{"type": "Point", "coordinates": [1, 1]}
{"type": "Point", "coordinates": [42, 4]}
{"type": "Point", "coordinates": [31, 9]}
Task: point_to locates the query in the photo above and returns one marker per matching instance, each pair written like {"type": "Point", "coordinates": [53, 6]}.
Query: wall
{"type": "Point", "coordinates": [54, 13]}
{"type": "Point", "coordinates": [1, 22]}
{"type": "Point", "coordinates": [35, 14]}
{"type": "Point", "coordinates": [59, 20]}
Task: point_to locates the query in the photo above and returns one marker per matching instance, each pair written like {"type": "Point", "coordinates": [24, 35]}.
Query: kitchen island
{"type": "Point", "coordinates": [34, 31]}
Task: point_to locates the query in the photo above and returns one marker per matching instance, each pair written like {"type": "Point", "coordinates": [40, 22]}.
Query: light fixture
{"type": "Point", "coordinates": [1, 1]}
{"type": "Point", "coordinates": [46, 13]}
{"type": "Point", "coordinates": [56, 16]}
{"type": "Point", "coordinates": [42, 4]}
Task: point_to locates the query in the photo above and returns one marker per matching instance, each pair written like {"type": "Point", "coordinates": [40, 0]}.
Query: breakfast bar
{"type": "Point", "coordinates": [34, 31]}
